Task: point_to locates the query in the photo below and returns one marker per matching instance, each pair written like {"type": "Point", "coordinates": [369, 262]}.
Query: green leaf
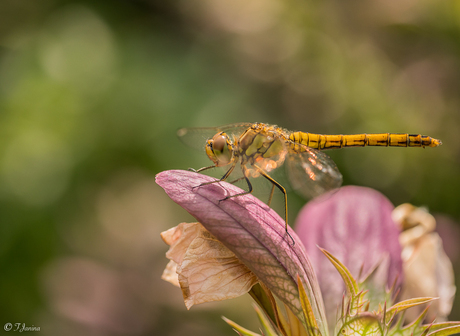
{"type": "Point", "coordinates": [240, 329]}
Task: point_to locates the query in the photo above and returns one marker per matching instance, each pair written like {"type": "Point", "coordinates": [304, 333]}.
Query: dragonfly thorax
{"type": "Point", "coordinates": [220, 149]}
{"type": "Point", "coordinates": [262, 146]}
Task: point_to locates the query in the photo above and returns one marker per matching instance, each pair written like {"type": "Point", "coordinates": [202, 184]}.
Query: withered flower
{"type": "Point", "coordinates": [241, 245]}
{"type": "Point", "coordinates": [427, 269]}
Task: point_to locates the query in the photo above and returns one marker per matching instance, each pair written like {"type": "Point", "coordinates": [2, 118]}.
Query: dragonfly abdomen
{"type": "Point", "coordinates": [320, 141]}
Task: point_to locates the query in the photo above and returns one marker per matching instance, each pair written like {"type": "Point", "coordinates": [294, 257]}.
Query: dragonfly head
{"type": "Point", "coordinates": [220, 149]}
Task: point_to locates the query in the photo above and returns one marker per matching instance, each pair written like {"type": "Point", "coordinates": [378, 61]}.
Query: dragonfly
{"type": "Point", "coordinates": [260, 148]}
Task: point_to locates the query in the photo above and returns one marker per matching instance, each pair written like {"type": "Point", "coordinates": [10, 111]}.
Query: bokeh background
{"type": "Point", "coordinates": [91, 96]}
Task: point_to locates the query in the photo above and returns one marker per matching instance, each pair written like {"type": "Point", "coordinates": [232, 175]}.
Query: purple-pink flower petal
{"type": "Point", "coordinates": [355, 225]}
{"type": "Point", "coordinates": [252, 231]}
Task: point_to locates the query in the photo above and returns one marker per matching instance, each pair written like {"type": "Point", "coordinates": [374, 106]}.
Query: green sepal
{"type": "Point", "coordinates": [448, 328]}
{"type": "Point", "coordinates": [413, 328]}
{"type": "Point", "coordinates": [364, 324]}
{"type": "Point", "coordinates": [260, 296]}
{"type": "Point", "coordinates": [242, 331]}
{"type": "Point", "coordinates": [355, 298]}
{"type": "Point", "coordinates": [376, 293]}
{"type": "Point", "coordinates": [442, 325]}
{"type": "Point", "coordinates": [283, 324]}
{"type": "Point", "coordinates": [265, 322]}
{"type": "Point", "coordinates": [403, 305]}
{"type": "Point", "coordinates": [296, 328]}
{"type": "Point", "coordinates": [350, 282]}
{"type": "Point", "coordinates": [312, 326]}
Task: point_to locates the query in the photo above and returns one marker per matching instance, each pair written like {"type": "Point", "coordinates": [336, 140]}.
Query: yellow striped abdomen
{"type": "Point", "coordinates": [320, 141]}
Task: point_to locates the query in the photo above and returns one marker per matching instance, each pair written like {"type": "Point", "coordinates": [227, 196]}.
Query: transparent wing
{"type": "Point", "coordinates": [312, 172]}
{"type": "Point", "coordinates": [196, 137]}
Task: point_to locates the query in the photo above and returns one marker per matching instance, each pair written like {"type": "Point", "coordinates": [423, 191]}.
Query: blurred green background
{"type": "Point", "coordinates": [91, 96]}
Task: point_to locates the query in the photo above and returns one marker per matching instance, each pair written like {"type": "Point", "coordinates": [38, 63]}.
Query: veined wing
{"type": "Point", "coordinates": [196, 137]}
{"type": "Point", "coordinates": [312, 172]}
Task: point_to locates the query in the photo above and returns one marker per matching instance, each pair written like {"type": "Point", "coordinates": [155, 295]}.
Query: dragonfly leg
{"type": "Point", "coordinates": [227, 174]}
{"type": "Point", "coordinates": [247, 181]}
{"type": "Point", "coordinates": [237, 180]}
{"type": "Point", "coordinates": [280, 187]}
{"type": "Point", "coordinates": [271, 195]}
{"type": "Point", "coordinates": [223, 178]}
{"type": "Point", "coordinates": [201, 169]}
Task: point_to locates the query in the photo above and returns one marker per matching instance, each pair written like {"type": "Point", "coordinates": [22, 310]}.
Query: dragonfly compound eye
{"type": "Point", "coordinates": [219, 149]}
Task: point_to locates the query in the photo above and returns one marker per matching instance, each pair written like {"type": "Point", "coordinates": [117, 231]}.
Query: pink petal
{"type": "Point", "coordinates": [355, 225]}
{"type": "Point", "coordinates": [251, 230]}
